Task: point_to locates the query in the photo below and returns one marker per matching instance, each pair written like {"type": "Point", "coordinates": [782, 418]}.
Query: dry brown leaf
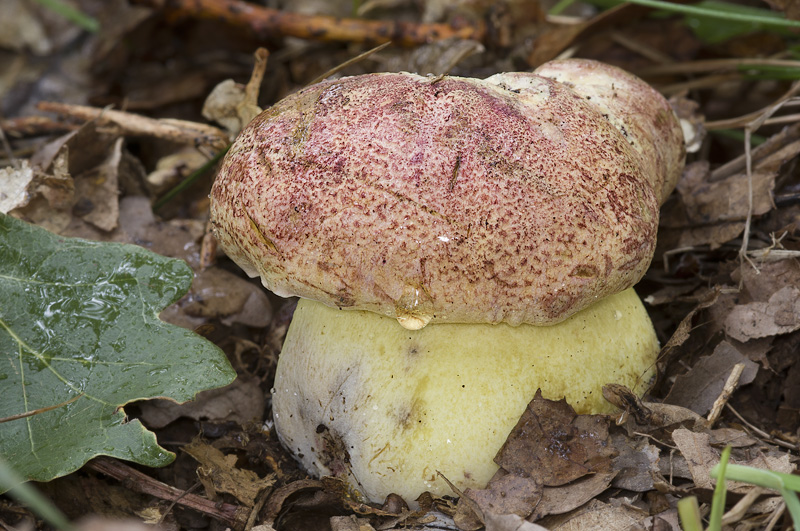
{"type": "Point", "coordinates": [510, 522]}
{"type": "Point", "coordinates": [97, 191]}
{"type": "Point", "coordinates": [635, 464]}
{"type": "Point", "coordinates": [779, 315]}
{"type": "Point", "coordinates": [553, 445]}
{"type": "Point", "coordinates": [218, 473]}
{"type": "Point", "coordinates": [76, 175]}
{"type": "Point", "coordinates": [14, 186]}
{"type": "Point", "coordinates": [731, 437]}
{"type": "Point", "coordinates": [761, 282]}
{"type": "Point", "coordinates": [279, 496]}
{"type": "Point", "coordinates": [559, 500]}
{"type": "Point", "coordinates": [242, 401]}
{"type": "Point", "coordinates": [699, 455]}
{"type": "Point", "coordinates": [702, 384]}
{"type": "Point", "coordinates": [701, 458]}
{"type": "Point", "coordinates": [507, 494]}
{"type": "Point", "coordinates": [599, 516]}
{"type": "Point", "coordinates": [727, 200]}
{"type": "Point", "coordinates": [219, 294]}
{"type": "Point", "coordinates": [350, 523]}
{"type": "Point", "coordinates": [706, 299]}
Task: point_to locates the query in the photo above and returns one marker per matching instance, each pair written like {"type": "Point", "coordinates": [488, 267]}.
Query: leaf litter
{"type": "Point", "coordinates": [714, 309]}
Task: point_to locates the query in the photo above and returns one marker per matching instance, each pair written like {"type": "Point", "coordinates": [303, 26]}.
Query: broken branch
{"type": "Point", "coordinates": [266, 21]}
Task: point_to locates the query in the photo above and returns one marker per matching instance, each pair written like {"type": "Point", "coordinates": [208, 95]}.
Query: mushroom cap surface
{"type": "Point", "coordinates": [359, 397]}
{"type": "Point", "coordinates": [438, 199]}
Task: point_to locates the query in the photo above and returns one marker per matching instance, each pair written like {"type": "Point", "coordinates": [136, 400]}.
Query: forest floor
{"type": "Point", "coordinates": [100, 126]}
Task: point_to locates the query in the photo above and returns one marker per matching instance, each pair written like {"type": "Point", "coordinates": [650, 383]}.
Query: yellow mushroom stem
{"type": "Point", "coordinates": [360, 397]}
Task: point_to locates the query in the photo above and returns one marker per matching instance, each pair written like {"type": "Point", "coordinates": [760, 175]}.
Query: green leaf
{"type": "Point", "coordinates": [80, 319]}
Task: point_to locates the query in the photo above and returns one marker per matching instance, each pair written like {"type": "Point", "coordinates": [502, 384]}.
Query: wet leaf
{"type": "Point", "coordinates": [81, 318]}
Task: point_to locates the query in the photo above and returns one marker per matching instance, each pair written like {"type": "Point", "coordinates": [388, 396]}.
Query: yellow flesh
{"type": "Point", "coordinates": [358, 396]}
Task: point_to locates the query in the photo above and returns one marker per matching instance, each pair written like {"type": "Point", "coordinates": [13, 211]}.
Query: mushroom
{"type": "Point", "coordinates": [457, 244]}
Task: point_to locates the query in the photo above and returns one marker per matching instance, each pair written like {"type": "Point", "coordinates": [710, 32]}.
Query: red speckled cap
{"type": "Point", "coordinates": [511, 199]}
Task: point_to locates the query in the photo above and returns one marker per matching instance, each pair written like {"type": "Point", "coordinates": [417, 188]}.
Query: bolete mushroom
{"type": "Point", "coordinates": [501, 222]}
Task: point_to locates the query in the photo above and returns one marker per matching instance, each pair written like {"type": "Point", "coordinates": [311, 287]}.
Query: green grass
{"type": "Point", "coordinates": [787, 485]}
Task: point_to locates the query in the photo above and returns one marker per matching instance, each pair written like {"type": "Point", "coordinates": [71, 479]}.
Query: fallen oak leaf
{"type": "Point", "coordinates": [81, 318]}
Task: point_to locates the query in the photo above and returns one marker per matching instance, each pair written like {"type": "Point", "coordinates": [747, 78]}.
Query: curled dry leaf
{"type": "Point", "coordinates": [218, 473]}
{"type": "Point", "coordinates": [242, 401]}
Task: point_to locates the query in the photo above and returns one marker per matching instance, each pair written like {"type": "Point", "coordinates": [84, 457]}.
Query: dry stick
{"type": "Point", "coordinates": [33, 126]}
{"type": "Point", "coordinates": [757, 117]}
{"type": "Point", "coordinates": [711, 65]}
{"type": "Point", "coordinates": [180, 131]}
{"type": "Point", "coordinates": [748, 131]}
{"type": "Point", "coordinates": [349, 62]}
{"type": "Point", "coordinates": [768, 148]}
{"type": "Point", "coordinates": [268, 22]}
{"type": "Point", "coordinates": [761, 433]}
{"type": "Point", "coordinates": [776, 516]}
{"type": "Point", "coordinates": [640, 48]}
{"type": "Point", "coordinates": [739, 510]}
{"type": "Point", "coordinates": [725, 395]}
{"type": "Point", "coordinates": [248, 108]}
{"type": "Point", "coordinates": [232, 515]}
{"type": "Point", "coordinates": [705, 82]}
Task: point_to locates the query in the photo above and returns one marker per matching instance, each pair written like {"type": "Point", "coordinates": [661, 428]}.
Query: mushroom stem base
{"type": "Point", "coordinates": [360, 397]}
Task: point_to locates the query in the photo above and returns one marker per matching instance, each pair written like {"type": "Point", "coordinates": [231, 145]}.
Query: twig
{"type": "Point", "coordinates": [739, 510]}
{"type": "Point", "coordinates": [175, 502]}
{"type": "Point", "coordinates": [752, 127]}
{"type": "Point", "coordinates": [725, 395]}
{"type": "Point", "coordinates": [180, 131]}
{"type": "Point", "coordinates": [713, 65]}
{"type": "Point", "coordinates": [705, 82]}
{"type": "Point", "coordinates": [248, 108]}
{"type": "Point", "coordinates": [349, 62]}
{"type": "Point", "coordinates": [648, 52]}
{"type": "Point", "coordinates": [755, 119]}
{"type": "Point", "coordinates": [761, 433]}
{"type": "Point", "coordinates": [776, 516]}
{"type": "Point", "coordinates": [768, 148]}
{"type": "Point", "coordinates": [33, 126]}
{"type": "Point", "coordinates": [265, 21]}
{"type": "Point", "coordinates": [232, 515]}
